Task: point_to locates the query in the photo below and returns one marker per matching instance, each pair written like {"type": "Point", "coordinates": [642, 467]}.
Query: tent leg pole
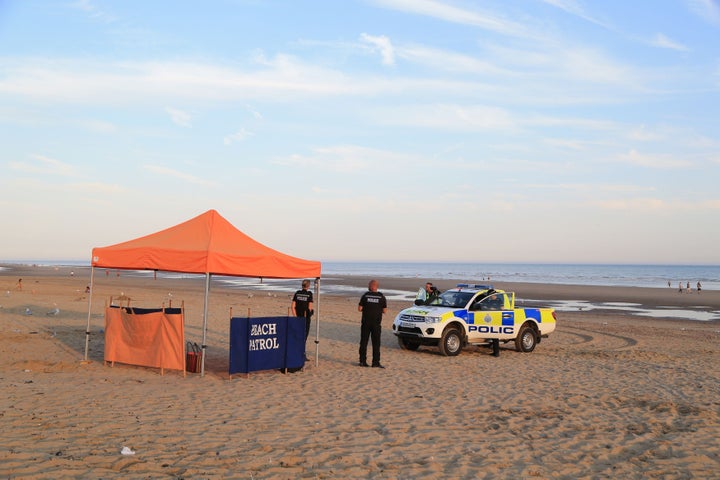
{"type": "Point", "coordinates": [317, 321]}
{"type": "Point", "coordinates": [205, 321]}
{"type": "Point", "coordinates": [87, 328]}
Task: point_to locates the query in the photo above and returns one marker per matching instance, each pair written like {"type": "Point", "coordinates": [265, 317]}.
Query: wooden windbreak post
{"type": "Point", "coordinates": [247, 375]}
{"type": "Point", "coordinates": [230, 322]}
{"type": "Point", "coordinates": [182, 311]}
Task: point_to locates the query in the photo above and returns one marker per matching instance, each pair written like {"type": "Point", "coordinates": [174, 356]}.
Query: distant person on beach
{"type": "Point", "coordinates": [372, 305]}
{"type": "Point", "coordinates": [680, 287]}
{"type": "Point", "coordinates": [429, 295]}
{"type": "Point", "coordinates": [19, 285]}
{"type": "Point", "coordinates": [669, 284]}
{"type": "Point", "coordinates": [699, 287]}
{"type": "Point", "coordinates": [302, 305]}
{"type": "Point", "coordinates": [688, 288]}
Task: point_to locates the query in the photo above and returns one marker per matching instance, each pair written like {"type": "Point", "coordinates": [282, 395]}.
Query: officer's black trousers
{"type": "Point", "coordinates": [370, 329]}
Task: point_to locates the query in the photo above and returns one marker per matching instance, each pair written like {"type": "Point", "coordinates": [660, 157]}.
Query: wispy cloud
{"type": "Point", "coordinates": [634, 204]}
{"type": "Point", "coordinates": [450, 61]}
{"type": "Point", "coordinates": [96, 188]}
{"type": "Point", "coordinates": [95, 12]}
{"type": "Point", "coordinates": [450, 13]}
{"type": "Point", "coordinates": [239, 136]}
{"type": "Point", "coordinates": [40, 164]}
{"type": "Point", "coordinates": [383, 44]}
{"type": "Point", "coordinates": [448, 116]}
{"type": "Point", "coordinates": [348, 158]}
{"type": "Point", "coordinates": [707, 10]}
{"type": "Point", "coordinates": [663, 41]}
{"type": "Point", "coordinates": [257, 115]}
{"type": "Point", "coordinates": [165, 171]}
{"type": "Point", "coordinates": [179, 117]}
{"type": "Point", "coordinates": [592, 188]}
{"type": "Point", "coordinates": [653, 160]}
{"type": "Point", "coordinates": [525, 76]}
{"type": "Point", "coordinates": [152, 82]}
{"type": "Point", "coordinates": [574, 7]}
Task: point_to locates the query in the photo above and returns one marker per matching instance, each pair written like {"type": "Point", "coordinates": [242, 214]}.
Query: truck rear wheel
{"type": "Point", "coordinates": [451, 342]}
{"type": "Point", "coordinates": [526, 339]}
{"type": "Point", "coordinates": [408, 344]}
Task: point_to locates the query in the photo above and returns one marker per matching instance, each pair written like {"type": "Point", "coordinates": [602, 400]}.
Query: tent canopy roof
{"type": "Point", "coordinates": [207, 243]}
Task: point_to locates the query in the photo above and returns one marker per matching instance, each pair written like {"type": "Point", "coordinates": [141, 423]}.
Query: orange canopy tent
{"type": "Point", "coordinates": [207, 244]}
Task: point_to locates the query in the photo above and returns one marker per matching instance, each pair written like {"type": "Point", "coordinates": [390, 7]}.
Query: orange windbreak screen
{"type": "Point", "coordinates": [154, 339]}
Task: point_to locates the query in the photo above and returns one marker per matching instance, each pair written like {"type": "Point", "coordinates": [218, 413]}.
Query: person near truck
{"type": "Point", "coordinates": [372, 305]}
{"type": "Point", "coordinates": [302, 306]}
{"type": "Point", "coordinates": [429, 295]}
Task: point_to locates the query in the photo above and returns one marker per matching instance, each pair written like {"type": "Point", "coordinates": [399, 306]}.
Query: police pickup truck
{"type": "Point", "coordinates": [473, 315]}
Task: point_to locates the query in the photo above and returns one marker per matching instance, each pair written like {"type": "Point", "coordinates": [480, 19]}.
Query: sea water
{"type": "Point", "coordinates": [655, 276]}
{"type": "Point", "coordinates": [623, 275]}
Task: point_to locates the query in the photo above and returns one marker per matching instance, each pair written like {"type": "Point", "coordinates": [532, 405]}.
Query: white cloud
{"type": "Point", "coordinates": [88, 82]}
{"type": "Point", "coordinates": [574, 7]}
{"type": "Point", "coordinates": [555, 76]}
{"type": "Point", "coordinates": [254, 113]}
{"type": "Point", "coordinates": [98, 126]}
{"type": "Point", "coordinates": [634, 204]}
{"type": "Point", "coordinates": [662, 41]}
{"type": "Point", "coordinates": [43, 165]}
{"type": "Point", "coordinates": [383, 44]}
{"type": "Point", "coordinates": [449, 13]}
{"type": "Point", "coordinates": [95, 188]}
{"type": "Point", "coordinates": [653, 160]}
{"type": "Point", "coordinates": [566, 143]}
{"type": "Point", "coordinates": [592, 188]}
{"type": "Point", "coordinates": [448, 116]}
{"type": "Point", "coordinates": [179, 117]}
{"type": "Point", "coordinates": [165, 171]}
{"type": "Point", "coordinates": [644, 134]}
{"type": "Point", "coordinates": [238, 136]}
{"type": "Point", "coordinates": [449, 61]}
{"type": "Point", "coordinates": [707, 10]}
{"type": "Point", "coordinates": [94, 11]}
{"type": "Point", "coordinates": [710, 204]}
{"type": "Point", "coordinates": [348, 158]}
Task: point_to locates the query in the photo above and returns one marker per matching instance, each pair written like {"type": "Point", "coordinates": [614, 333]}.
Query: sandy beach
{"type": "Point", "coordinates": [608, 395]}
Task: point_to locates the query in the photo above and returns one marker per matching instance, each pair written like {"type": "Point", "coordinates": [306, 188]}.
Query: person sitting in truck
{"type": "Point", "coordinates": [429, 295]}
{"type": "Point", "coordinates": [490, 300]}
{"type": "Point", "coordinates": [494, 302]}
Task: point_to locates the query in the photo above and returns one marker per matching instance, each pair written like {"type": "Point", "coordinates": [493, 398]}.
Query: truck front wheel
{"type": "Point", "coordinates": [526, 339]}
{"type": "Point", "coordinates": [451, 342]}
{"type": "Point", "coordinates": [408, 344]}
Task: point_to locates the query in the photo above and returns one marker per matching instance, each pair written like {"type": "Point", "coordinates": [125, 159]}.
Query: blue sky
{"type": "Point", "coordinates": [389, 130]}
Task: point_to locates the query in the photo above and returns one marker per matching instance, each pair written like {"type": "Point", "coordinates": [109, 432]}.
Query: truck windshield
{"type": "Point", "coordinates": [455, 299]}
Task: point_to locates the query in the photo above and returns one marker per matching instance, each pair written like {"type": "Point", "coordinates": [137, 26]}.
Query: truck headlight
{"type": "Point", "coordinates": [432, 319]}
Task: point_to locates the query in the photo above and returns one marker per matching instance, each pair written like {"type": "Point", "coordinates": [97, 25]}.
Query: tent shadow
{"type": "Point", "coordinates": [73, 338]}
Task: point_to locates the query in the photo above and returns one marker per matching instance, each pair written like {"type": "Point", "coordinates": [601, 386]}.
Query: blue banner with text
{"type": "Point", "coordinates": [266, 343]}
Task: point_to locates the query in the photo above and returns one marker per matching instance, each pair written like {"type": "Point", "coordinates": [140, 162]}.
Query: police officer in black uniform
{"type": "Point", "coordinates": [302, 306]}
{"type": "Point", "coordinates": [372, 305]}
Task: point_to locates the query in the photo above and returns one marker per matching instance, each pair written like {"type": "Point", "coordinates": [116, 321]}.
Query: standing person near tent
{"type": "Point", "coordinates": [372, 305]}
{"type": "Point", "coordinates": [302, 306]}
